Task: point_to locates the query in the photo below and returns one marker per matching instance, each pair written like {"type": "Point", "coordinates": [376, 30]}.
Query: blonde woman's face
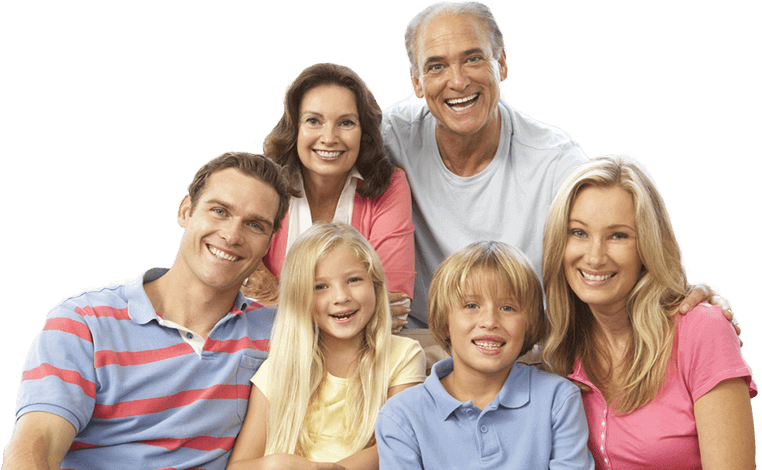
{"type": "Point", "coordinates": [345, 298]}
{"type": "Point", "coordinates": [601, 260]}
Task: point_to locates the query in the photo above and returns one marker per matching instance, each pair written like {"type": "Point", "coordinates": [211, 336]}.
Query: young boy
{"type": "Point", "coordinates": [480, 409]}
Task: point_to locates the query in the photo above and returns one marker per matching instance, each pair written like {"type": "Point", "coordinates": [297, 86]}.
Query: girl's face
{"type": "Point", "coordinates": [328, 142]}
{"type": "Point", "coordinates": [601, 260]}
{"type": "Point", "coordinates": [345, 298]}
{"type": "Point", "coordinates": [486, 328]}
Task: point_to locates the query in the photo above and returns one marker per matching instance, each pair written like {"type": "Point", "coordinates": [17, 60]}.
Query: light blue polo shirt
{"type": "Point", "coordinates": [536, 422]}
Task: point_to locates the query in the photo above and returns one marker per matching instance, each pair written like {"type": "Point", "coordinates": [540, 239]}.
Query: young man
{"type": "Point", "coordinates": [155, 373]}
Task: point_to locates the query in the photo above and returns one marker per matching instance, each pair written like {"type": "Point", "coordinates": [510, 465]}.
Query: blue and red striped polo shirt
{"type": "Point", "coordinates": [137, 392]}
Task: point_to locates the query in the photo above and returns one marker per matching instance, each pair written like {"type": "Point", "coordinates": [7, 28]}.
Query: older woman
{"type": "Point", "coordinates": [329, 140]}
{"type": "Point", "coordinates": [660, 389]}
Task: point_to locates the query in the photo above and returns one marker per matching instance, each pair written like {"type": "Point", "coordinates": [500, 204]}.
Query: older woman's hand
{"type": "Point", "coordinates": [702, 293]}
{"type": "Point", "coordinates": [399, 304]}
{"type": "Point", "coordinates": [262, 286]}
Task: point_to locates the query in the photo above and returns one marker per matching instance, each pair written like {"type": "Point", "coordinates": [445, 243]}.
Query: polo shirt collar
{"type": "Point", "coordinates": [514, 394]}
{"type": "Point", "coordinates": [141, 311]}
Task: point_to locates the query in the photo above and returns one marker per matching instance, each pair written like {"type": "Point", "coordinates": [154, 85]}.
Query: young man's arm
{"type": "Point", "coordinates": [40, 441]}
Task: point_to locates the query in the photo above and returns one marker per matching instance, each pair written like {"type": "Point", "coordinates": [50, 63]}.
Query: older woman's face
{"type": "Point", "coordinates": [601, 261]}
{"type": "Point", "coordinates": [328, 142]}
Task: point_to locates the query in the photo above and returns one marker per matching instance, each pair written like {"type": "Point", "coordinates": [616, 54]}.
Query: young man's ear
{"type": "Point", "coordinates": [184, 212]}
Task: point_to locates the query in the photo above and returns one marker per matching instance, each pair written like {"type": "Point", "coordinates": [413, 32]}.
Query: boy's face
{"type": "Point", "coordinates": [486, 331]}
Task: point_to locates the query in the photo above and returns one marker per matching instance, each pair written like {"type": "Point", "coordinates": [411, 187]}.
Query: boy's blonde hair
{"type": "Point", "coordinates": [296, 350]}
{"type": "Point", "coordinates": [469, 269]}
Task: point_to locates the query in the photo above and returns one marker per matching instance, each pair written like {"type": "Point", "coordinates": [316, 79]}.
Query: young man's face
{"type": "Point", "coordinates": [228, 231]}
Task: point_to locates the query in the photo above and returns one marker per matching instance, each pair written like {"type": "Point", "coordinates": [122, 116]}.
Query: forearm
{"type": "Point", "coordinates": [366, 459]}
{"type": "Point", "coordinates": [39, 441]}
{"type": "Point", "coordinates": [283, 462]}
{"type": "Point", "coordinates": [27, 456]}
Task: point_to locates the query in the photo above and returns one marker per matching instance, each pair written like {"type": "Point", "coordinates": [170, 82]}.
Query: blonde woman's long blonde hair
{"type": "Point", "coordinates": [652, 302]}
{"type": "Point", "coordinates": [296, 351]}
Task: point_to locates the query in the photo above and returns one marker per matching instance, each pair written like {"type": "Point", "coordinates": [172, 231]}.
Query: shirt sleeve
{"type": "Point", "coordinates": [709, 351]}
{"type": "Point", "coordinates": [397, 448]}
{"type": "Point", "coordinates": [262, 379]}
{"type": "Point", "coordinates": [389, 229]}
{"type": "Point", "coordinates": [408, 362]}
{"type": "Point", "coordinates": [569, 446]}
{"type": "Point", "coordinates": [59, 375]}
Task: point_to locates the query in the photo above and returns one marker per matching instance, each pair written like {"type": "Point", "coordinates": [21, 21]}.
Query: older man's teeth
{"type": "Point", "coordinates": [221, 255]}
{"type": "Point", "coordinates": [593, 277]}
{"type": "Point", "coordinates": [325, 154]}
{"type": "Point", "coordinates": [454, 103]}
{"type": "Point", "coordinates": [488, 344]}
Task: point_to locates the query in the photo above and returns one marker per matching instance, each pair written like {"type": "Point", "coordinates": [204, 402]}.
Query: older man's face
{"type": "Point", "coordinates": [458, 75]}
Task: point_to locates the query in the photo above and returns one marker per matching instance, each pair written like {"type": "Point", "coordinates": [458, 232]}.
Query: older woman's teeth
{"type": "Point", "coordinates": [325, 154]}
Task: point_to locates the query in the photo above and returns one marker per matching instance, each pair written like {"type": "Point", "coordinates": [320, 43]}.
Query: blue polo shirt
{"type": "Point", "coordinates": [535, 422]}
{"type": "Point", "coordinates": [140, 392]}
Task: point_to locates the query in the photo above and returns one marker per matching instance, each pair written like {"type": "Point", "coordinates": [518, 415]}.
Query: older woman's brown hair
{"type": "Point", "coordinates": [373, 161]}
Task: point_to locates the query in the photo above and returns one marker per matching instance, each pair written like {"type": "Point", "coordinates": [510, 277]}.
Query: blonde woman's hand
{"type": "Point", "coordinates": [399, 304]}
{"type": "Point", "coordinates": [261, 285]}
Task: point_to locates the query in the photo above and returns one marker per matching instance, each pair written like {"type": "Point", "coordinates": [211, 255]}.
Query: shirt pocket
{"type": "Point", "coordinates": [247, 367]}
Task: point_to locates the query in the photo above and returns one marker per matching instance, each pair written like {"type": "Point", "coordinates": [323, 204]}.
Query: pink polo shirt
{"type": "Point", "coordinates": [663, 433]}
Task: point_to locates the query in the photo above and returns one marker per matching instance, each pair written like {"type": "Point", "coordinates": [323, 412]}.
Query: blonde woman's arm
{"type": "Point", "coordinates": [249, 450]}
{"type": "Point", "coordinates": [725, 428]}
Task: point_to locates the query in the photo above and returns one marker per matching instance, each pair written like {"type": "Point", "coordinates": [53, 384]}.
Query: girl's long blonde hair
{"type": "Point", "coordinates": [652, 302]}
{"type": "Point", "coordinates": [296, 352]}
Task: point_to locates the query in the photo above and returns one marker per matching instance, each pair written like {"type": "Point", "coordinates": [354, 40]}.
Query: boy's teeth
{"type": "Point", "coordinates": [593, 277]}
{"type": "Point", "coordinates": [488, 344]}
{"type": "Point", "coordinates": [222, 255]}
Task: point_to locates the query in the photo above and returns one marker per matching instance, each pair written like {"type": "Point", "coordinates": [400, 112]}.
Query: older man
{"type": "Point", "coordinates": [478, 169]}
{"type": "Point", "coordinates": [155, 373]}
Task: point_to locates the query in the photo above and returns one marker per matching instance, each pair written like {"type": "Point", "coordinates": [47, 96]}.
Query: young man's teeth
{"type": "Point", "coordinates": [325, 154]}
{"type": "Point", "coordinates": [592, 277]}
{"type": "Point", "coordinates": [488, 344]}
{"type": "Point", "coordinates": [222, 255]}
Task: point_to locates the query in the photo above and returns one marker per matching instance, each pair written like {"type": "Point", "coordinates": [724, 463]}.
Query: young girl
{"type": "Point", "coordinates": [481, 409]}
{"type": "Point", "coordinates": [333, 362]}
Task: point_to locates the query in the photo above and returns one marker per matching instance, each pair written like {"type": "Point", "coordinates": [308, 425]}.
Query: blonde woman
{"type": "Point", "coordinates": [660, 389]}
{"type": "Point", "coordinates": [333, 361]}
